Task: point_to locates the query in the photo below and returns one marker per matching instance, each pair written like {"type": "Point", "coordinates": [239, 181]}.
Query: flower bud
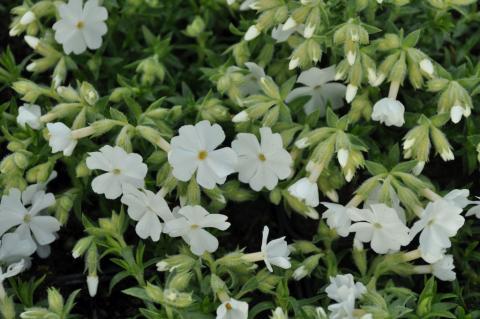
{"type": "Point", "coordinates": [92, 284]}
{"type": "Point", "coordinates": [177, 263]}
{"type": "Point", "coordinates": [306, 268]}
{"type": "Point", "coordinates": [179, 281]}
{"type": "Point", "coordinates": [21, 160]}
{"type": "Point", "coordinates": [39, 173]}
{"type": "Point", "coordinates": [88, 93]}
{"type": "Point", "coordinates": [36, 313]}
{"type": "Point", "coordinates": [442, 146]}
{"type": "Point", "coordinates": [81, 246]}
{"type": "Point", "coordinates": [195, 28]}
{"type": "Point", "coordinates": [55, 301]}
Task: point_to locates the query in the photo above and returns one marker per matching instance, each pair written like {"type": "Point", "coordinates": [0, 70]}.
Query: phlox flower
{"type": "Point", "coordinates": [389, 111]}
{"type": "Point", "coordinates": [275, 252]}
{"type": "Point", "coordinates": [306, 191]}
{"type": "Point", "coordinates": [232, 309]}
{"type": "Point", "coordinates": [29, 114]}
{"type": "Point", "coordinates": [337, 218]}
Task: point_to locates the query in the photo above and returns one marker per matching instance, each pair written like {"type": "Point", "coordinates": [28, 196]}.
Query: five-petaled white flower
{"type": "Point", "coordinates": [443, 269]}
{"type": "Point", "coordinates": [29, 221]}
{"type": "Point", "coordinates": [147, 208]}
{"type": "Point", "coordinates": [389, 111]}
{"type": "Point", "coordinates": [121, 169]}
{"type": "Point", "coordinates": [29, 114]}
{"type": "Point", "coordinates": [191, 224]}
{"type": "Point", "coordinates": [305, 190]}
{"type": "Point", "coordinates": [438, 222]}
{"type": "Point", "coordinates": [232, 309]}
{"type": "Point", "coordinates": [337, 218]}
{"type": "Point", "coordinates": [194, 150]}
{"type": "Point", "coordinates": [250, 84]}
{"type": "Point", "coordinates": [262, 164]}
{"type": "Point", "coordinates": [458, 198]}
{"type": "Point", "coordinates": [61, 138]}
{"type": "Point", "coordinates": [275, 252]}
{"type": "Point", "coordinates": [319, 86]}
{"type": "Point", "coordinates": [381, 226]}
{"type": "Point", "coordinates": [341, 287]}
{"type": "Point", "coordinates": [81, 26]}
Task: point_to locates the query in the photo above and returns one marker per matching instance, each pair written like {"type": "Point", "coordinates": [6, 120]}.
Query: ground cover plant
{"type": "Point", "coordinates": [239, 159]}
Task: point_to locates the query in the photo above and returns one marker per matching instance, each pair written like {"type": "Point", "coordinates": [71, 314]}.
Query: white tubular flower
{"type": "Point", "coordinates": [232, 309]}
{"type": "Point", "coordinates": [13, 248]}
{"type": "Point", "coordinates": [281, 35]}
{"type": "Point", "coordinates": [342, 157]}
{"type": "Point", "coordinates": [457, 111]}
{"type": "Point", "coordinates": [343, 309]}
{"type": "Point", "coordinates": [80, 27]}
{"type": "Point", "coordinates": [262, 164]}
{"type": "Point", "coordinates": [343, 288]}
{"type": "Point", "coordinates": [29, 221]}
{"type": "Point", "coordinates": [61, 138]}
{"type": "Point", "coordinates": [306, 191]}
{"type": "Point", "coordinates": [148, 209]}
{"type": "Point", "coordinates": [191, 227]}
{"type": "Point", "coordinates": [337, 218]}
{"type": "Point", "coordinates": [194, 150]}
{"type": "Point", "coordinates": [27, 18]}
{"type": "Point", "coordinates": [427, 66]}
{"type": "Point", "coordinates": [319, 86]}
{"type": "Point", "coordinates": [122, 170]}
{"type": "Point", "coordinates": [92, 285]}
{"type": "Point", "coordinates": [29, 114]}
{"type": "Point", "coordinates": [250, 83]}
{"type": "Point", "coordinates": [12, 270]}
{"type": "Point", "coordinates": [438, 222]}
{"type": "Point", "coordinates": [351, 92]}
{"type": "Point", "coordinates": [443, 269]}
{"type": "Point", "coordinates": [251, 33]}
{"type": "Point", "coordinates": [381, 226]}
{"type": "Point", "coordinates": [275, 252]}
{"type": "Point", "coordinates": [389, 111]}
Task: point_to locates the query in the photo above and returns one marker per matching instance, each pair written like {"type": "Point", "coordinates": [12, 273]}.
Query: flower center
{"type": "Point", "coordinates": [80, 24]}
{"type": "Point", "coordinates": [202, 155]}
{"type": "Point", "coordinates": [194, 226]}
{"type": "Point", "coordinates": [430, 222]}
{"type": "Point", "coordinates": [377, 225]}
{"type": "Point", "coordinates": [116, 171]}
{"type": "Point", "coordinates": [262, 157]}
{"type": "Point", "coordinates": [228, 306]}
{"type": "Point", "coordinates": [27, 218]}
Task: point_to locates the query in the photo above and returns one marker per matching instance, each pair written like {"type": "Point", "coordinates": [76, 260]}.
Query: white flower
{"type": "Point", "coordinates": [374, 197]}
{"type": "Point", "coordinates": [427, 66]}
{"type": "Point", "coordinates": [337, 218]}
{"type": "Point", "coordinates": [250, 83]}
{"type": "Point", "coordinates": [351, 92]}
{"type": "Point", "coordinates": [12, 270]}
{"type": "Point", "coordinates": [438, 222]}
{"type": "Point", "coordinates": [281, 35]}
{"type": "Point", "coordinates": [475, 210]}
{"type": "Point", "coordinates": [443, 269]}
{"type": "Point", "coordinates": [300, 273]}
{"type": "Point", "coordinates": [147, 208]}
{"type": "Point", "coordinates": [194, 150]}
{"type": "Point", "coordinates": [29, 192]}
{"type": "Point", "coordinates": [319, 86]}
{"type": "Point", "coordinates": [191, 225]}
{"type": "Point", "coordinates": [458, 198]}
{"type": "Point", "coordinates": [27, 18]}
{"type": "Point", "coordinates": [343, 287]}
{"type": "Point", "coordinates": [29, 114]}
{"type": "Point", "coordinates": [14, 213]}
{"type": "Point", "coordinates": [262, 164]}
{"type": "Point", "coordinates": [14, 248]}
{"type": "Point", "coordinates": [381, 226]}
{"type": "Point", "coordinates": [457, 111]}
{"type": "Point", "coordinates": [61, 138]}
{"type": "Point", "coordinates": [389, 111]}
{"type": "Point", "coordinates": [343, 309]}
{"type": "Point", "coordinates": [121, 169]}
{"type": "Point", "coordinates": [251, 33]}
{"type": "Point", "coordinates": [232, 309]}
{"type": "Point", "coordinates": [275, 252]}
{"type": "Point", "coordinates": [278, 313]}
{"type": "Point", "coordinates": [80, 28]}
{"type": "Point", "coordinates": [92, 285]}
{"type": "Point", "coordinates": [306, 191]}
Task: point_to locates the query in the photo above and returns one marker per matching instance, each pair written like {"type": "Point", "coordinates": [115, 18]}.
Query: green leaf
{"type": "Point", "coordinates": [411, 39]}
{"type": "Point", "coordinates": [405, 167]}
{"type": "Point", "coordinates": [118, 115]}
{"type": "Point", "coordinates": [331, 118]}
{"type": "Point", "coordinates": [375, 168]}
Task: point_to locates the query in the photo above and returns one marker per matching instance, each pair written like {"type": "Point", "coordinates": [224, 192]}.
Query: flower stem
{"type": "Point", "coordinates": [423, 269]}
{"type": "Point", "coordinates": [355, 201]}
{"type": "Point", "coordinates": [394, 87]}
{"type": "Point", "coordinates": [223, 296]}
{"type": "Point", "coordinates": [412, 255]}
{"type": "Point", "coordinates": [254, 257]}
{"type": "Point", "coordinates": [431, 195]}
{"type": "Point", "coordinates": [315, 172]}
{"type": "Point", "coordinates": [83, 132]}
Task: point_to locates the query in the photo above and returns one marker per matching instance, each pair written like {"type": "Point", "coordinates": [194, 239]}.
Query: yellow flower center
{"type": "Point", "coordinates": [262, 157]}
{"type": "Point", "coordinates": [27, 218]}
{"type": "Point", "coordinates": [116, 171]}
{"type": "Point", "coordinates": [377, 225]}
{"type": "Point", "coordinates": [80, 24]}
{"type": "Point", "coordinates": [194, 226]}
{"type": "Point", "coordinates": [202, 155]}
{"type": "Point", "coordinates": [228, 306]}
